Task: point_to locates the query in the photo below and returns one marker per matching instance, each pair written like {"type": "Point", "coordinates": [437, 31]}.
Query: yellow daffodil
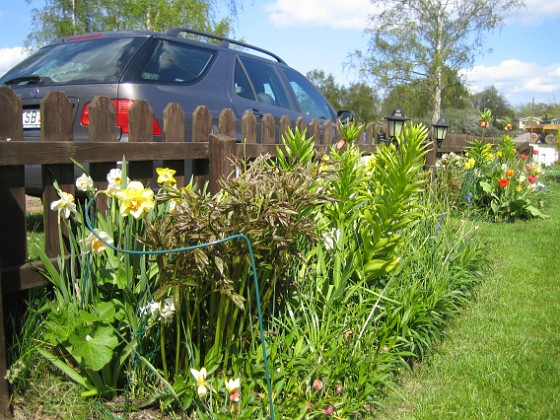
{"type": "Point", "coordinates": [165, 176]}
{"type": "Point", "coordinates": [135, 199]}
{"type": "Point", "coordinates": [97, 242]}
{"type": "Point", "coordinates": [65, 206]}
{"type": "Point", "coordinates": [469, 164]}
{"type": "Point", "coordinates": [200, 377]}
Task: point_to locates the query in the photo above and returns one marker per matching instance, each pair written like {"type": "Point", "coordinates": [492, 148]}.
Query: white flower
{"type": "Point", "coordinates": [114, 178]}
{"type": "Point", "coordinates": [331, 238]}
{"type": "Point", "coordinates": [200, 377]}
{"type": "Point", "coordinates": [65, 206]}
{"type": "Point", "coordinates": [167, 309]}
{"type": "Point", "coordinates": [84, 183]}
{"type": "Point", "coordinates": [96, 242]}
{"type": "Point", "coordinates": [232, 385]}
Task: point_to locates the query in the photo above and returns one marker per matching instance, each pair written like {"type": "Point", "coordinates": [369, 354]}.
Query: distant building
{"type": "Point", "coordinates": [523, 121]}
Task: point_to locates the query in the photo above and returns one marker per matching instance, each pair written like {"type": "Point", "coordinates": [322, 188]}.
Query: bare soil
{"type": "Point", "coordinates": [33, 204]}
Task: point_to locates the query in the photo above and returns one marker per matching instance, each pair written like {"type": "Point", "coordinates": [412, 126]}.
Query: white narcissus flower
{"type": "Point", "coordinates": [331, 238]}
{"type": "Point", "coordinates": [200, 377]}
{"type": "Point", "coordinates": [65, 206]}
{"type": "Point", "coordinates": [233, 385]}
{"type": "Point", "coordinates": [97, 242]}
{"type": "Point", "coordinates": [114, 178]}
{"type": "Point", "coordinates": [84, 183]}
{"type": "Point", "coordinates": [167, 309]}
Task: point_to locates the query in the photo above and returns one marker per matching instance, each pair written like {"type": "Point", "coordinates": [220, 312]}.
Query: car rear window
{"type": "Point", "coordinates": [96, 60]}
{"type": "Point", "coordinates": [175, 62]}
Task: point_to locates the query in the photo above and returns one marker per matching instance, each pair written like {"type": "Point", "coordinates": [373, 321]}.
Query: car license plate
{"type": "Point", "coordinates": [31, 118]}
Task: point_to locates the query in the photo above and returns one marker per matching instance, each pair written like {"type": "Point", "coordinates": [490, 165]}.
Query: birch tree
{"type": "Point", "coordinates": [62, 18]}
{"type": "Point", "coordinates": [427, 42]}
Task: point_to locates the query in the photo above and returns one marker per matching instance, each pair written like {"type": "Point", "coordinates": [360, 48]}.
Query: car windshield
{"type": "Point", "coordinates": [96, 60]}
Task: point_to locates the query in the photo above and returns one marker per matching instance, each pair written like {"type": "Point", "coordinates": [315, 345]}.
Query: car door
{"type": "Point", "coordinates": [259, 87]}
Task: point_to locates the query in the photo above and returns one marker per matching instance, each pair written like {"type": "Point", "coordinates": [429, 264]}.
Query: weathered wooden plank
{"type": "Point", "coordinates": [174, 131]}
{"type": "Point", "coordinates": [24, 153]}
{"type": "Point", "coordinates": [202, 124]}
{"type": "Point", "coordinates": [11, 127]}
{"type": "Point", "coordinates": [249, 127]}
{"type": "Point", "coordinates": [201, 129]}
{"type": "Point", "coordinates": [4, 389]}
{"type": "Point", "coordinates": [13, 251]}
{"type": "Point", "coordinates": [328, 133]}
{"type": "Point", "coordinates": [285, 124]}
{"type": "Point", "coordinates": [268, 129]}
{"type": "Point", "coordinates": [140, 121]}
{"type": "Point", "coordinates": [22, 277]}
{"type": "Point", "coordinates": [226, 123]}
{"type": "Point", "coordinates": [56, 125]}
{"type": "Point", "coordinates": [314, 130]}
{"type": "Point", "coordinates": [56, 117]}
{"type": "Point", "coordinates": [222, 150]}
{"type": "Point", "coordinates": [301, 123]}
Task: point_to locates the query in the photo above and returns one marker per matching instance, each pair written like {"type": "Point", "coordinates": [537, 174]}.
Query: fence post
{"type": "Point", "coordinates": [268, 127]}
{"type": "Point", "coordinates": [141, 131]}
{"type": "Point", "coordinates": [13, 235]}
{"type": "Point", "coordinates": [201, 129]}
{"type": "Point", "coordinates": [248, 127]}
{"type": "Point", "coordinates": [56, 125]}
{"type": "Point", "coordinates": [226, 123]}
{"type": "Point", "coordinates": [102, 116]}
{"type": "Point", "coordinates": [221, 151]}
{"type": "Point", "coordinates": [174, 131]}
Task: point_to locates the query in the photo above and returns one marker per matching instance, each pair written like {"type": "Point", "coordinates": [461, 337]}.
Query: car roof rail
{"type": "Point", "coordinates": [224, 41]}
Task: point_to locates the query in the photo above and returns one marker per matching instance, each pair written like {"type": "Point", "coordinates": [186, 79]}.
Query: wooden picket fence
{"type": "Point", "coordinates": [211, 155]}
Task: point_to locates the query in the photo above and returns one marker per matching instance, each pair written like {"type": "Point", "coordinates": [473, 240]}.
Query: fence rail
{"type": "Point", "coordinates": [210, 154]}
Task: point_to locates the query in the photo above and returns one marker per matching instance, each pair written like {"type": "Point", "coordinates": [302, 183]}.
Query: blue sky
{"type": "Point", "coordinates": [524, 64]}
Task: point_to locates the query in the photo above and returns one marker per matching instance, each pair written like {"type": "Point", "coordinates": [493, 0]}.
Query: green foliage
{"type": "Point", "coordinates": [91, 326]}
{"type": "Point", "coordinates": [296, 150]}
{"type": "Point", "coordinates": [477, 369]}
{"type": "Point", "coordinates": [493, 182]}
{"type": "Point", "coordinates": [58, 19]}
{"type": "Point", "coordinates": [348, 252]}
{"type": "Point", "coordinates": [357, 97]}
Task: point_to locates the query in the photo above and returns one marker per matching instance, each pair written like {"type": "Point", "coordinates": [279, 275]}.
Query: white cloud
{"type": "Point", "coordinates": [353, 14]}
{"type": "Point", "coordinates": [336, 14]}
{"type": "Point", "coordinates": [519, 81]}
{"type": "Point", "coordinates": [535, 12]}
{"type": "Point", "coordinates": [9, 57]}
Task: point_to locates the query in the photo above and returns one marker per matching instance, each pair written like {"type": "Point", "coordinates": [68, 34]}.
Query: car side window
{"type": "Point", "coordinates": [241, 83]}
{"type": "Point", "coordinates": [173, 62]}
{"type": "Point", "coordinates": [265, 81]}
{"type": "Point", "coordinates": [311, 102]}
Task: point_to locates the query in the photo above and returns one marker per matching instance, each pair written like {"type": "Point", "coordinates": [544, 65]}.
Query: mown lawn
{"type": "Point", "coordinates": [501, 358]}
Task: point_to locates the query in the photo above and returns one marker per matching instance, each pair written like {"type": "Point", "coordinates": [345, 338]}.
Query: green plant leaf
{"type": "Point", "coordinates": [95, 350]}
{"type": "Point", "coordinates": [71, 373]}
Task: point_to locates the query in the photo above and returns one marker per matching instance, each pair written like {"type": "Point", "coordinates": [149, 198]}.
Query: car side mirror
{"type": "Point", "coordinates": [345, 116]}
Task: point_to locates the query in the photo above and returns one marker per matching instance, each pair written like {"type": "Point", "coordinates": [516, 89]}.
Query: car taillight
{"type": "Point", "coordinates": [122, 106]}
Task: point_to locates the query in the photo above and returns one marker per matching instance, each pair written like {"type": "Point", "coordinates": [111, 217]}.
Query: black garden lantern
{"type": "Point", "coordinates": [440, 131]}
{"type": "Point", "coordinates": [395, 123]}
